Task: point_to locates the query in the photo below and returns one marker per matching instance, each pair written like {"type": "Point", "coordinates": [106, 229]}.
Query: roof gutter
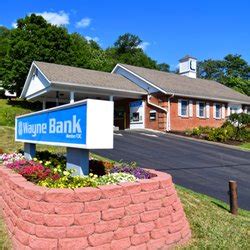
{"type": "Point", "coordinates": [98, 87]}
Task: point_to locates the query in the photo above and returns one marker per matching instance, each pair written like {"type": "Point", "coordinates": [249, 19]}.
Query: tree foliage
{"type": "Point", "coordinates": [233, 71]}
{"type": "Point", "coordinates": [36, 39]}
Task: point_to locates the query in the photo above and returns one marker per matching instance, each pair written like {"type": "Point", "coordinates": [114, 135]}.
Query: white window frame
{"type": "Point", "coordinates": [215, 117]}
{"type": "Point", "coordinates": [180, 107]}
{"type": "Point", "coordinates": [152, 112]}
{"type": "Point", "coordinates": [207, 110]}
{"type": "Point", "coordinates": [198, 109]}
{"type": "Point", "coordinates": [190, 108]}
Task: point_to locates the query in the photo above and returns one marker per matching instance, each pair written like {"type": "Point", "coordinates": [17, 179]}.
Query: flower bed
{"type": "Point", "coordinates": [49, 170]}
{"type": "Point", "coordinates": [146, 213]}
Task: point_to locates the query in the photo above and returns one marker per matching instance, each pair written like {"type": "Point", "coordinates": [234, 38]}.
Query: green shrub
{"type": "Point", "coordinates": [235, 128]}
{"type": "Point", "coordinates": [196, 131]}
{"type": "Point", "coordinates": [218, 134]}
{"type": "Point", "coordinates": [239, 120]}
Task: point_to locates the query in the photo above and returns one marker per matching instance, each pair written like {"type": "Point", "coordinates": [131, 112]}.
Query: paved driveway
{"type": "Point", "coordinates": [202, 167]}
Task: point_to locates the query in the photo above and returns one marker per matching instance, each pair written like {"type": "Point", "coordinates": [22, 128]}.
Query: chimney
{"type": "Point", "coordinates": [187, 66]}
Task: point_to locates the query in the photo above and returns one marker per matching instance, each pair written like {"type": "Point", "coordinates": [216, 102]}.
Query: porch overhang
{"type": "Point", "coordinates": [38, 87]}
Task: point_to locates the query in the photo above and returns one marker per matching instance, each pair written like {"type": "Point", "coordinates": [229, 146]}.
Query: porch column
{"type": "Point", "coordinates": [44, 103]}
{"type": "Point", "coordinates": [57, 98]}
{"type": "Point", "coordinates": [72, 96]}
{"type": "Point", "coordinates": [111, 98]}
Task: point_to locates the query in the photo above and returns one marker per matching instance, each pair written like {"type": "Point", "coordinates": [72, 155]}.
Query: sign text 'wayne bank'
{"type": "Point", "coordinates": [61, 125]}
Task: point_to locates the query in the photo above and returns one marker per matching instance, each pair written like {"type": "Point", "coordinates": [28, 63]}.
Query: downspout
{"type": "Point", "coordinates": [167, 110]}
{"type": "Point", "coordinates": [154, 105]}
{"type": "Point", "coordinates": [158, 107]}
{"type": "Point", "coordinates": [168, 114]}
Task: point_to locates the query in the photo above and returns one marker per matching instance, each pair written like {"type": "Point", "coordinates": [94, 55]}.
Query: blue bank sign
{"type": "Point", "coordinates": [66, 125]}
{"type": "Point", "coordinates": [62, 126]}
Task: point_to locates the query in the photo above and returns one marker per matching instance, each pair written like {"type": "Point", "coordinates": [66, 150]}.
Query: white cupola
{"type": "Point", "coordinates": [187, 66]}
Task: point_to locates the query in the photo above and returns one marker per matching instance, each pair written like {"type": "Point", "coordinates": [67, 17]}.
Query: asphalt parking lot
{"type": "Point", "coordinates": [202, 167]}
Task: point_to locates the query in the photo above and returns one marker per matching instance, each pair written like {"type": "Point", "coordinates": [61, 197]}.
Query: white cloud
{"type": "Point", "coordinates": [57, 18]}
{"type": "Point", "coordinates": [96, 39]}
{"type": "Point", "coordinates": [144, 45]}
{"type": "Point", "coordinates": [83, 23]}
{"type": "Point", "coordinates": [14, 25]}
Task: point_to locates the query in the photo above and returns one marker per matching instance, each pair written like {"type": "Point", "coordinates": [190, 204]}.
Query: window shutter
{"type": "Point", "coordinates": [190, 108]}
{"type": "Point", "coordinates": [214, 111]}
{"type": "Point", "coordinates": [207, 110]}
{"type": "Point", "coordinates": [223, 111]}
{"type": "Point", "coordinates": [179, 107]}
{"type": "Point", "coordinates": [197, 109]}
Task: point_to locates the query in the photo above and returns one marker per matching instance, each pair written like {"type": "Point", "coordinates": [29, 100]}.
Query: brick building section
{"type": "Point", "coordinates": [161, 116]}
{"type": "Point", "coordinates": [144, 215]}
{"type": "Point", "coordinates": [179, 123]}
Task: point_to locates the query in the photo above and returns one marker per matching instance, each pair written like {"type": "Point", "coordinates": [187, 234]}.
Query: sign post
{"type": "Point", "coordinates": [79, 126]}
{"type": "Point", "coordinates": [29, 150]}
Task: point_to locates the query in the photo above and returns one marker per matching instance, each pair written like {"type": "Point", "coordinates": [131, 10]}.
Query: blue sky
{"type": "Point", "coordinates": [169, 29]}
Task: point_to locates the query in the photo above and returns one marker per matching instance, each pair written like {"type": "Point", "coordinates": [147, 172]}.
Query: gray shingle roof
{"type": "Point", "coordinates": [57, 73]}
{"type": "Point", "coordinates": [185, 86]}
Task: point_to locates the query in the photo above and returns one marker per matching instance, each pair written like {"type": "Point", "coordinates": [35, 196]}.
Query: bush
{"type": "Point", "coordinates": [53, 173]}
{"type": "Point", "coordinates": [31, 170]}
{"type": "Point", "coordinates": [236, 128]}
{"type": "Point", "coordinates": [239, 120]}
{"type": "Point", "coordinates": [100, 167]}
{"type": "Point", "coordinates": [131, 168]}
{"type": "Point", "coordinates": [87, 181]}
{"type": "Point", "coordinates": [218, 134]}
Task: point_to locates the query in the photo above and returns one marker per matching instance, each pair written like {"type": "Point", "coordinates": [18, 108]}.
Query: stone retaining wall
{"type": "Point", "coordinates": [144, 215]}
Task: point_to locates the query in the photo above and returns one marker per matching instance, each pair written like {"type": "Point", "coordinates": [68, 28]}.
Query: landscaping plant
{"type": "Point", "coordinates": [49, 170]}
{"type": "Point", "coordinates": [131, 168]}
{"type": "Point", "coordinates": [236, 128]}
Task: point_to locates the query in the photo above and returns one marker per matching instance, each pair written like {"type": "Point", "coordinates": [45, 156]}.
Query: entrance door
{"type": "Point", "coordinates": [120, 118]}
{"type": "Point", "coordinates": [136, 114]}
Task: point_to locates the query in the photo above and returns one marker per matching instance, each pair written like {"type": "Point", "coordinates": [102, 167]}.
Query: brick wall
{"type": "Point", "coordinates": [161, 117]}
{"type": "Point", "coordinates": [143, 215]}
{"type": "Point", "coordinates": [179, 123]}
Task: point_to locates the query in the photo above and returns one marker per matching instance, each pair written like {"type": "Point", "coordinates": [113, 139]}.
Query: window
{"type": "Point", "coordinates": [235, 108]}
{"type": "Point", "coordinates": [135, 117]}
{"type": "Point", "coordinates": [152, 115]}
{"type": "Point", "coordinates": [184, 108]}
{"type": "Point", "coordinates": [217, 111]}
{"type": "Point", "coordinates": [202, 109]}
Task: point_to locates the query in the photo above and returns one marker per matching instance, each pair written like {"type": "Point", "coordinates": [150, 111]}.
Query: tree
{"type": "Point", "coordinates": [233, 71]}
{"type": "Point", "coordinates": [33, 39]}
{"type": "Point", "coordinates": [127, 43]}
{"type": "Point", "coordinates": [127, 50]}
{"type": "Point", "coordinates": [4, 41]}
{"type": "Point", "coordinates": [36, 39]}
{"type": "Point", "coordinates": [163, 67]}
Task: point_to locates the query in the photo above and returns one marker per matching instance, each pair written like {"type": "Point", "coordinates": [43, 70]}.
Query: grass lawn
{"type": "Point", "coordinates": [245, 145]}
{"type": "Point", "coordinates": [213, 227]}
{"type": "Point", "coordinates": [4, 239]}
{"type": "Point", "coordinates": [10, 109]}
{"type": "Point", "coordinates": [8, 144]}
